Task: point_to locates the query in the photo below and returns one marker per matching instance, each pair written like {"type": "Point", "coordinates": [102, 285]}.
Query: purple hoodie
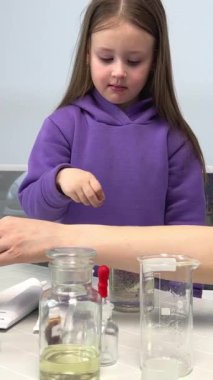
{"type": "Point", "coordinates": [148, 170]}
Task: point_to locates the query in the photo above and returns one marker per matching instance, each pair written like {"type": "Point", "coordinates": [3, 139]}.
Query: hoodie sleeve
{"type": "Point", "coordinates": [186, 191]}
{"type": "Point", "coordinates": [38, 194]}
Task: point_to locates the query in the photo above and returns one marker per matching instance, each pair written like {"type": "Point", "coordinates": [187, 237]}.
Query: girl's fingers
{"type": "Point", "coordinates": [83, 197]}
{"type": "Point", "coordinates": [74, 196]}
{"type": "Point", "coordinates": [92, 196]}
{"type": "Point", "coordinates": [97, 188]}
{"type": "Point", "coordinates": [89, 194]}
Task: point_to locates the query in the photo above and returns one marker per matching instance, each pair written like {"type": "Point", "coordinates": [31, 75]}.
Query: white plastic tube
{"type": "Point", "coordinates": [18, 301]}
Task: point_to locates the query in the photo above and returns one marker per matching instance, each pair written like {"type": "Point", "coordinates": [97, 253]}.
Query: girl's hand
{"type": "Point", "coordinates": [81, 186]}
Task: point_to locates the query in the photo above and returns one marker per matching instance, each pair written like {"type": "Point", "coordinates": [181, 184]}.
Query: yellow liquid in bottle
{"type": "Point", "coordinates": [69, 362]}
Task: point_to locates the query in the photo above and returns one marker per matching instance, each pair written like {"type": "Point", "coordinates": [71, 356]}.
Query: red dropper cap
{"type": "Point", "coordinates": [103, 276]}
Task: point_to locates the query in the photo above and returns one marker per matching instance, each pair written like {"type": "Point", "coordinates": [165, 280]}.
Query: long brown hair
{"type": "Point", "coordinates": [150, 16]}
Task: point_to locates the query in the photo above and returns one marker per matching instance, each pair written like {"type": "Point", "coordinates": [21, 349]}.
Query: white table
{"type": "Point", "coordinates": [19, 346]}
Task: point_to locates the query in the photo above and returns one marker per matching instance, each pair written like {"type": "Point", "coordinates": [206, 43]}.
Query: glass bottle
{"type": "Point", "coordinates": [70, 318]}
{"type": "Point", "coordinates": [124, 289]}
{"type": "Point", "coordinates": [109, 336]}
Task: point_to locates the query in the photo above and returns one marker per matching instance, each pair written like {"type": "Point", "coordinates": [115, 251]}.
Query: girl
{"type": "Point", "coordinates": [117, 142]}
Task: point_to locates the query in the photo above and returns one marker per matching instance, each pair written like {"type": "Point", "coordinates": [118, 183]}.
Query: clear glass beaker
{"type": "Point", "coordinates": [70, 318]}
{"type": "Point", "coordinates": [166, 317]}
{"type": "Point", "coordinates": [124, 289]}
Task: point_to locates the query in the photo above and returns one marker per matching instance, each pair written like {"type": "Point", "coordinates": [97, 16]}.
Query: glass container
{"type": "Point", "coordinates": [109, 336]}
{"type": "Point", "coordinates": [166, 318]}
{"type": "Point", "coordinates": [70, 318]}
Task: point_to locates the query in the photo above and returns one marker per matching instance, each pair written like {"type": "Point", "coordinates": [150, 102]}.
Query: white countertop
{"type": "Point", "coordinates": [19, 346]}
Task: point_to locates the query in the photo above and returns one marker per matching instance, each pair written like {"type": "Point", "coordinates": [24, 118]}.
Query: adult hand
{"type": "Point", "coordinates": [81, 186]}
{"type": "Point", "coordinates": [24, 240]}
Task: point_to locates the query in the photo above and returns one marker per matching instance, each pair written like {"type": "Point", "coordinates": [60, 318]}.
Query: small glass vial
{"type": "Point", "coordinates": [109, 336]}
{"type": "Point", "coordinates": [124, 289]}
{"type": "Point", "coordinates": [70, 318]}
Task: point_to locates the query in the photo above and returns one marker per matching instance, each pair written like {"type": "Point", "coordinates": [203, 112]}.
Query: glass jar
{"type": "Point", "coordinates": [124, 289]}
{"type": "Point", "coordinates": [70, 318]}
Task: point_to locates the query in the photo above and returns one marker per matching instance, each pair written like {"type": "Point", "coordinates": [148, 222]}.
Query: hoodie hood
{"type": "Point", "coordinates": [101, 110]}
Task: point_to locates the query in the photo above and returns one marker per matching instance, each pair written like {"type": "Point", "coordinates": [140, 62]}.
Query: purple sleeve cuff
{"type": "Point", "coordinates": [49, 190]}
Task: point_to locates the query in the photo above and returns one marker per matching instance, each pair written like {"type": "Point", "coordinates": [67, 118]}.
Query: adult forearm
{"type": "Point", "coordinates": [120, 246]}
{"type": "Point", "coordinates": [27, 240]}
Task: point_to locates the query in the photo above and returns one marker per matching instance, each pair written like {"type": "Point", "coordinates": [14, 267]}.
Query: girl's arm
{"type": "Point", "coordinates": [185, 201]}
{"type": "Point", "coordinates": [38, 193]}
{"type": "Point", "coordinates": [27, 240]}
